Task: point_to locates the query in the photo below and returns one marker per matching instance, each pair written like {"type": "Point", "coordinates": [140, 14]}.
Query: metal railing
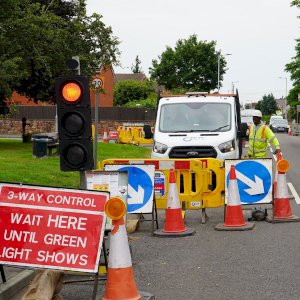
{"type": "Point", "coordinates": [104, 113]}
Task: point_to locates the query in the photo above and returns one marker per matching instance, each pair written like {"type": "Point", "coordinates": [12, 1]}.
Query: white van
{"type": "Point", "coordinates": [198, 125]}
{"type": "Point", "coordinates": [274, 117]}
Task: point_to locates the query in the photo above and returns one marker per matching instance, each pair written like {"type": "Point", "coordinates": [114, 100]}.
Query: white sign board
{"type": "Point", "coordinates": [254, 179]}
{"type": "Point", "coordinates": [109, 181]}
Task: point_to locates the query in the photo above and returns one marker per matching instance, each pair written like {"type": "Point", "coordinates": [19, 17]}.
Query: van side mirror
{"type": "Point", "coordinates": [243, 130]}
{"type": "Point", "coordinates": [147, 131]}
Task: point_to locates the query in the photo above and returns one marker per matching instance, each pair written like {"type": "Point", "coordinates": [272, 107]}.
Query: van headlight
{"type": "Point", "coordinates": [227, 146]}
{"type": "Point", "coordinates": [159, 148]}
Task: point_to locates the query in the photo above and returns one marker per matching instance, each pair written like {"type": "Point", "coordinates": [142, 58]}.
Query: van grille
{"type": "Point", "coordinates": [193, 152]}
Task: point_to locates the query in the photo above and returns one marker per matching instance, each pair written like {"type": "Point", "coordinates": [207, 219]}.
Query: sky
{"type": "Point", "coordinates": [260, 35]}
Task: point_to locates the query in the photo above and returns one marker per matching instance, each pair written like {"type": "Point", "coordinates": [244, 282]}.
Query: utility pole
{"type": "Point", "coordinates": [285, 101]}
{"type": "Point", "coordinates": [219, 63]}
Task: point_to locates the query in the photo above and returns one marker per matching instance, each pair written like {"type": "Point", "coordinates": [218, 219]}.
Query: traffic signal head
{"type": "Point", "coordinates": [74, 123]}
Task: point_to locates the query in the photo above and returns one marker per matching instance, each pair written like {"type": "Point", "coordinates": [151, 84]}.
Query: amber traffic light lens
{"type": "Point", "coordinates": [71, 92]}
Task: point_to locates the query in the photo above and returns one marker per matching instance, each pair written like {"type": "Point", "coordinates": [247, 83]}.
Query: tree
{"type": "Point", "coordinates": [39, 38]}
{"type": "Point", "coordinates": [267, 105]}
{"type": "Point", "coordinates": [136, 66]}
{"type": "Point", "coordinates": [258, 105]}
{"type": "Point", "coordinates": [192, 65]}
{"type": "Point", "coordinates": [294, 69]}
{"type": "Point", "coordinates": [131, 90]}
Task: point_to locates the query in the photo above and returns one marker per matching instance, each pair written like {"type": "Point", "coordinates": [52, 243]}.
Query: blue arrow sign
{"type": "Point", "coordinates": [254, 181]}
{"type": "Point", "coordinates": [140, 186]}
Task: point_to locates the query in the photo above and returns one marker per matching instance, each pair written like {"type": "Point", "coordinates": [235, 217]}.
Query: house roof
{"type": "Point", "coordinates": [130, 76]}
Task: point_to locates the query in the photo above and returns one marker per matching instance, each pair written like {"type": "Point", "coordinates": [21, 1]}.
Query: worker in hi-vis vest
{"type": "Point", "coordinates": [259, 135]}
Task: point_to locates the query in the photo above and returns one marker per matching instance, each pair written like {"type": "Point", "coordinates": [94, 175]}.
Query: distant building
{"type": "Point", "coordinates": [130, 76]}
{"type": "Point", "coordinates": [109, 79]}
{"type": "Point", "coordinates": [281, 104]}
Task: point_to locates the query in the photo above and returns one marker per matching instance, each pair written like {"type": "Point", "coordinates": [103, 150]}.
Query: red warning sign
{"type": "Point", "coordinates": [51, 227]}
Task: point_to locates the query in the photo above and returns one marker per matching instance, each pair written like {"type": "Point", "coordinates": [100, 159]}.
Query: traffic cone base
{"type": "Point", "coordinates": [247, 226]}
{"type": "Point", "coordinates": [121, 285]}
{"type": "Point", "coordinates": [161, 233]}
{"type": "Point", "coordinates": [293, 218]}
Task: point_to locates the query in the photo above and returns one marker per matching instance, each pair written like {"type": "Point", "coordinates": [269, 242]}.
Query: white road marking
{"type": "Point", "coordinates": [294, 192]}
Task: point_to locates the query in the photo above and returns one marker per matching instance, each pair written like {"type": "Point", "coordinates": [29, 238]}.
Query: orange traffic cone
{"type": "Point", "coordinates": [234, 219]}
{"type": "Point", "coordinates": [174, 224]}
{"type": "Point", "coordinates": [282, 211]}
{"type": "Point", "coordinates": [290, 131]}
{"type": "Point", "coordinates": [120, 283]}
{"type": "Point", "coordinates": [120, 279]}
{"type": "Point", "coordinates": [105, 137]}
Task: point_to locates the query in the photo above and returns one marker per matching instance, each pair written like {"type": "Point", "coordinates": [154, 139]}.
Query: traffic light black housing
{"type": "Point", "coordinates": [74, 123]}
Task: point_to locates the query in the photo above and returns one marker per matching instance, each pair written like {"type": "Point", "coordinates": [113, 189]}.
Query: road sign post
{"type": "Point", "coordinates": [97, 85]}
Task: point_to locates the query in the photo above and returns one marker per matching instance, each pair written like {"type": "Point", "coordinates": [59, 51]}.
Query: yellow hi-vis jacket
{"type": "Point", "coordinates": [258, 141]}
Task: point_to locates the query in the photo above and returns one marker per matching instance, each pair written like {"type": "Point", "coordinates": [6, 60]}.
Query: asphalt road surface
{"type": "Point", "coordinates": [263, 263]}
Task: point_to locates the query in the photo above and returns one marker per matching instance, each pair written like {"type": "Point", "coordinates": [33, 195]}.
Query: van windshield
{"type": "Point", "coordinates": [280, 121]}
{"type": "Point", "coordinates": [192, 117]}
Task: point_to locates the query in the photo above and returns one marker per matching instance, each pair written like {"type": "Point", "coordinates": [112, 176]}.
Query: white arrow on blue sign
{"type": "Point", "coordinates": [140, 186]}
{"type": "Point", "coordinates": [254, 178]}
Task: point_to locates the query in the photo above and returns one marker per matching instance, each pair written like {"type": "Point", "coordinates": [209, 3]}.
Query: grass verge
{"type": "Point", "coordinates": [17, 165]}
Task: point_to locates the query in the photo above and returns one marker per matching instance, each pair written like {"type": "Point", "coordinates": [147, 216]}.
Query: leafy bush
{"type": "Point", "coordinates": [150, 102]}
{"type": "Point", "coordinates": [12, 109]}
{"type": "Point", "coordinates": [131, 90]}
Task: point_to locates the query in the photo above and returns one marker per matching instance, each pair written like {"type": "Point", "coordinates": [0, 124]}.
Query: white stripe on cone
{"type": "Point", "coordinates": [233, 193]}
{"type": "Point", "coordinates": [119, 254]}
{"type": "Point", "coordinates": [105, 138]}
{"type": "Point", "coordinates": [275, 183]}
{"type": "Point", "coordinates": [281, 189]}
{"type": "Point", "coordinates": [173, 199]}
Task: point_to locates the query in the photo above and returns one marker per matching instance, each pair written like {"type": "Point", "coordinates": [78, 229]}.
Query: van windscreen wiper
{"type": "Point", "coordinates": [219, 128]}
{"type": "Point", "coordinates": [192, 130]}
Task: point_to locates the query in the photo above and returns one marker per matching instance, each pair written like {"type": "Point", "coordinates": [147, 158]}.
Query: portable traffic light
{"type": "Point", "coordinates": [74, 123]}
